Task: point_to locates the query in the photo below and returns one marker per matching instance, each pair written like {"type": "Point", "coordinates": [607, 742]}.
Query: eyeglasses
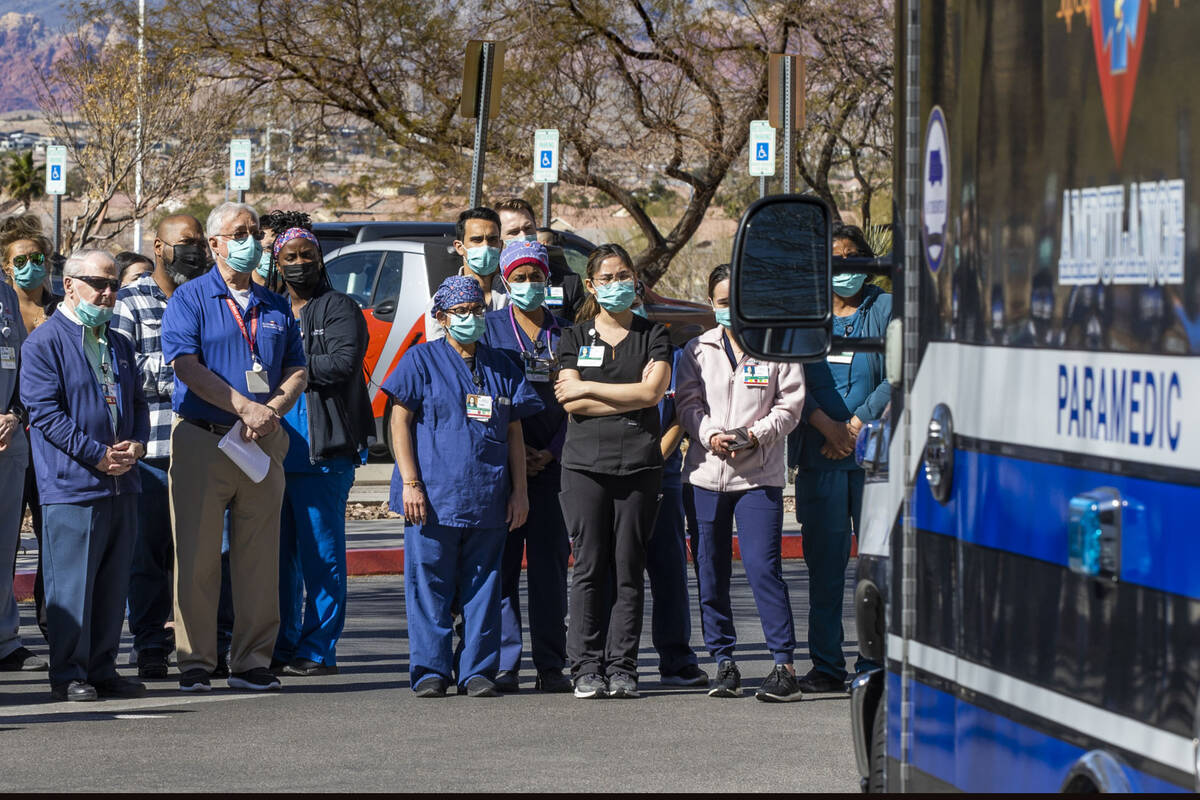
{"type": "Point", "coordinates": [37, 259]}
{"type": "Point", "coordinates": [99, 284]}
{"type": "Point", "coordinates": [604, 280]}
{"type": "Point", "coordinates": [240, 235]}
{"type": "Point", "coordinates": [459, 311]}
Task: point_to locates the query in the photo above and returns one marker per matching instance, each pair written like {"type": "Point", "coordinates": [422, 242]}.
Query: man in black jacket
{"type": "Point", "coordinates": [327, 430]}
{"type": "Point", "coordinates": [565, 293]}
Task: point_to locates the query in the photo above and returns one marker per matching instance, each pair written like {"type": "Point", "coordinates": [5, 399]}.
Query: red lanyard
{"type": "Point", "coordinates": [250, 336]}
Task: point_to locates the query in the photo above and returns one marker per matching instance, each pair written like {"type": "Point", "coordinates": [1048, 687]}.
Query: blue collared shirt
{"type": "Point", "coordinates": [198, 321]}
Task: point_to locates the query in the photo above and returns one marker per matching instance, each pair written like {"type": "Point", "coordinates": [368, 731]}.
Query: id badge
{"type": "Point", "coordinates": [479, 406]}
{"type": "Point", "coordinates": [554, 295]}
{"type": "Point", "coordinates": [756, 375]}
{"type": "Point", "coordinates": [591, 356]}
{"type": "Point", "coordinates": [537, 370]}
{"type": "Point", "coordinates": [840, 358]}
{"type": "Point", "coordinates": [8, 358]}
{"type": "Point", "coordinates": [256, 382]}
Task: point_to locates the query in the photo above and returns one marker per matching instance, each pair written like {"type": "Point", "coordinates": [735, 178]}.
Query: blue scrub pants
{"type": "Point", "coordinates": [666, 566]}
{"type": "Point", "coordinates": [759, 514]}
{"type": "Point", "coordinates": [827, 502]}
{"type": "Point", "coordinates": [150, 601]}
{"type": "Point", "coordinates": [89, 547]}
{"type": "Point", "coordinates": [442, 565]}
{"type": "Point", "coordinates": [544, 543]}
{"type": "Point", "coordinates": [312, 566]}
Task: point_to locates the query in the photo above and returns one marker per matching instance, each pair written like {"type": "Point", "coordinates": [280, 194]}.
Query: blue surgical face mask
{"type": "Point", "coordinates": [640, 311]}
{"type": "Point", "coordinates": [91, 315]}
{"type": "Point", "coordinates": [30, 276]}
{"type": "Point", "coordinates": [524, 237]}
{"type": "Point", "coordinates": [264, 265]}
{"type": "Point", "coordinates": [244, 255]}
{"type": "Point", "coordinates": [617, 296]}
{"type": "Point", "coordinates": [483, 260]}
{"type": "Point", "coordinates": [527, 296]}
{"type": "Point", "coordinates": [466, 328]}
{"type": "Point", "coordinates": [848, 284]}
{"type": "Point", "coordinates": [722, 315]}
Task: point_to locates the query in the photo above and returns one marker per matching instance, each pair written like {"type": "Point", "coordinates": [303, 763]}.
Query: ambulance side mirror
{"type": "Point", "coordinates": [780, 287]}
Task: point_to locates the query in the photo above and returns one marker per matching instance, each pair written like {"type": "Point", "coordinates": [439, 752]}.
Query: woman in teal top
{"type": "Point", "coordinates": [844, 392]}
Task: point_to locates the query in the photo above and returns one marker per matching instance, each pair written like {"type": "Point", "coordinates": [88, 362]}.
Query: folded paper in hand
{"type": "Point", "coordinates": [249, 457]}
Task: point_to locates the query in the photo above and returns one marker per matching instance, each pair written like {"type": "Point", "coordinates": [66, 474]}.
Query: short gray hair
{"type": "Point", "coordinates": [219, 215]}
{"type": "Point", "coordinates": [78, 260]}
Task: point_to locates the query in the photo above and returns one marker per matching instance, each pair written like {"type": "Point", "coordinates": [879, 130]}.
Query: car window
{"type": "Point", "coordinates": [576, 260]}
{"type": "Point", "coordinates": [354, 274]}
{"type": "Point", "coordinates": [388, 285]}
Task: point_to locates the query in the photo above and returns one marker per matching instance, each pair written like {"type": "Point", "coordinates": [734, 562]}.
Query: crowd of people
{"type": "Point", "coordinates": [186, 430]}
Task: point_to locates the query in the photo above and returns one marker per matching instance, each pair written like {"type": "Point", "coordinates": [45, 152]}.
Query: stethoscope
{"type": "Point", "coordinates": [5, 321]}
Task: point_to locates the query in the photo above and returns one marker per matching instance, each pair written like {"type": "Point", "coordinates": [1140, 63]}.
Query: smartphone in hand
{"type": "Point", "coordinates": [741, 440]}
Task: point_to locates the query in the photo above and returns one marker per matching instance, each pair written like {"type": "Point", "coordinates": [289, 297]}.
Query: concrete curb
{"type": "Point", "coordinates": [365, 561]}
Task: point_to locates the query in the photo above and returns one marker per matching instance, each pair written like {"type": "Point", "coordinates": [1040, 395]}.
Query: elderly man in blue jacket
{"type": "Point", "coordinates": [88, 425]}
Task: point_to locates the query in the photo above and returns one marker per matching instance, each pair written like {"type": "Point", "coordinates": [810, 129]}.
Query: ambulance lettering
{"type": "Point", "coordinates": [1133, 407]}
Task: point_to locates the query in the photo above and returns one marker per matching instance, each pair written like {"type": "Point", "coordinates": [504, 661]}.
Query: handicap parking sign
{"type": "Point", "coordinates": [762, 152]}
{"type": "Point", "coordinates": [547, 159]}
{"type": "Point", "coordinates": [55, 172]}
{"type": "Point", "coordinates": [239, 167]}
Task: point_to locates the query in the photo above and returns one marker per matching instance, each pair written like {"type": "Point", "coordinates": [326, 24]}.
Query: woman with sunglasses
{"type": "Point", "coordinates": [26, 251]}
{"type": "Point", "coordinates": [614, 369]}
{"type": "Point", "coordinates": [455, 427]}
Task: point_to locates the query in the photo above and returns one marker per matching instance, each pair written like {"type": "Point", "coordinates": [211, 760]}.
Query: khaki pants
{"type": "Point", "coordinates": [203, 482]}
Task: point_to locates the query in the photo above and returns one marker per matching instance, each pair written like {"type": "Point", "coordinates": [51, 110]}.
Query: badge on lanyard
{"type": "Point", "coordinates": [479, 406]}
{"type": "Point", "coordinates": [554, 295]}
{"type": "Point", "coordinates": [537, 368]}
{"type": "Point", "coordinates": [840, 358]}
{"type": "Point", "coordinates": [8, 358]}
{"type": "Point", "coordinates": [591, 356]}
{"type": "Point", "coordinates": [256, 379]}
{"type": "Point", "coordinates": [756, 375]}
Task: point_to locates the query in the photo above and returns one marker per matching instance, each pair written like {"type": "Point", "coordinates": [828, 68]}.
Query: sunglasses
{"type": "Point", "coordinates": [99, 284]}
{"type": "Point", "coordinates": [37, 259]}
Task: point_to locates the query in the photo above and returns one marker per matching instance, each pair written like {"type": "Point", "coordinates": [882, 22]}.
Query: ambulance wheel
{"type": "Point", "coordinates": [877, 755]}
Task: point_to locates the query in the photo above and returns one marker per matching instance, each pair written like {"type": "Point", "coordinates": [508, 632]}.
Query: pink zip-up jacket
{"type": "Point", "coordinates": [712, 397]}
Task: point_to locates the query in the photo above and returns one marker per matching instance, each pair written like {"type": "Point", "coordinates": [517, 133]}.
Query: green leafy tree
{"type": "Point", "coordinates": [22, 180]}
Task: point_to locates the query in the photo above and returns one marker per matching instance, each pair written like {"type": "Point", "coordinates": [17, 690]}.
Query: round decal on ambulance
{"type": "Point", "coordinates": [936, 193]}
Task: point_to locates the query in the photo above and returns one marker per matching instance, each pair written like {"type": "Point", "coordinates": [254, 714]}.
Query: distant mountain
{"type": "Point", "coordinates": [27, 48]}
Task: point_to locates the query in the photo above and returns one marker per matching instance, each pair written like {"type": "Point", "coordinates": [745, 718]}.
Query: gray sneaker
{"type": "Point", "coordinates": [622, 686]}
{"type": "Point", "coordinates": [590, 686]}
{"type": "Point", "coordinates": [480, 686]}
{"type": "Point", "coordinates": [728, 682]}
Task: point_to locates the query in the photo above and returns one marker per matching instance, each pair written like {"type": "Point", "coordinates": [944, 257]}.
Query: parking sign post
{"type": "Point", "coordinates": [483, 73]}
{"type": "Point", "coordinates": [56, 183]}
{"type": "Point", "coordinates": [545, 166]}
{"type": "Point", "coordinates": [239, 167]}
{"type": "Point", "coordinates": [762, 153]}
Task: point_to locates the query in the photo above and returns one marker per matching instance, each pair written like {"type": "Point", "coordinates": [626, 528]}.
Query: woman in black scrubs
{"type": "Point", "coordinates": [614, 369]}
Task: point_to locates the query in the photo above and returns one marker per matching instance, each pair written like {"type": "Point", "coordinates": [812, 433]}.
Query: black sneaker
{"type": "Point", "coordinates": [306, 668]}
{"type": "Point", "coordinates": [780, 686]}
{"type": "Point", "coordinates": [120, 687]}
{"type": "Point", "coordinates": [152, 664]}
{"type": "Point", "coordinates": [480, 686]}
{"type": "Point", "coordinates": [75, 692]}
{"type": "Point", "coordinates": [552, 681]}
{"type": "Point", "coordinates": [729, 680]}
{"type": "Point", "coordinates": [430, 686]}
{"type": "Point", "coordinates": [691, 675]}
{"type": "Point", "coordinates": [222, 670]}
{"type": "Point", "coordinates": [195, 680]}
{"type": "Point", "coordinates": [508, 681]}
{"type": "Point", "coordinates": [21, 660]}
{"type": "Point", "coordinates": [590, 686]}
{"type": "Point", "coordinates": [622, 686]}
{"type": "Point", "coordinates": [817, 682]}
{"type": "Point", "coordinates": [258, 679]}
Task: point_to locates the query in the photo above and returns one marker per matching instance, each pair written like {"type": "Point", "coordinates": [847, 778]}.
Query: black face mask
{"type": "Point", "coordinates": [187, 261]}
{"type": "Point", "coordinates": [302, 274]}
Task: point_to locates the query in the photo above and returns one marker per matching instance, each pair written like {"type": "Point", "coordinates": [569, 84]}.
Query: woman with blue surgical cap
{"type": "Point", "coordinates": [529, 334]}
{"type": "Point", "coordinates": [844, 392]}
{"type": "Point", "coordinates": [456, 434]}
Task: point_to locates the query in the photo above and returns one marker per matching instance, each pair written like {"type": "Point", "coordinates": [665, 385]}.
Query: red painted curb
{"type": "Point", "coordinates": [390, 561]}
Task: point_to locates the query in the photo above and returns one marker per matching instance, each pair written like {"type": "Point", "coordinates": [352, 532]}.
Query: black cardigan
{"type": "Point", "coordinates": [340, 420]}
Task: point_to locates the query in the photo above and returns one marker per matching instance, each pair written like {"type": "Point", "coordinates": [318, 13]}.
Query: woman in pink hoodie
{"type": "Point", "coordinates": [738, 412]}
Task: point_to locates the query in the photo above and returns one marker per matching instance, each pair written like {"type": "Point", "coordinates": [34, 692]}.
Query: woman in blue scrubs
{"type": "Point", "coordinates": [844, 392]}
{"type": "Point", "coordinates": [529, 334]}
{"type": "Point", "coordinates": [460, 477]}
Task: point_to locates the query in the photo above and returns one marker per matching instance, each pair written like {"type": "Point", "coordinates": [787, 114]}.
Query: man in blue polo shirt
{"type": "Point", "coordinates": [237, 355]}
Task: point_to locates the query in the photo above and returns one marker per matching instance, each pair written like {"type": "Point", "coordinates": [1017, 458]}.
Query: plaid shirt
{"type": "Point", "coordinates": [138, 317]}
